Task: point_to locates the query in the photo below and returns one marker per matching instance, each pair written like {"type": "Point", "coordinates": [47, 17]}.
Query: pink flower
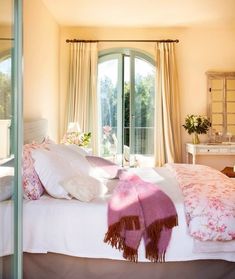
{"type": "Point", "coordinates": [107, 129]}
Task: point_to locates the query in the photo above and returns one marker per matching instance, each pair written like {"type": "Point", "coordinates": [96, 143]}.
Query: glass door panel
{"type": "Point", "coordinates": [127, 111]}
{"type": "Point", "coordinates": [139, 91]}
{"type": "Point", "coordinates": [144, 107]}
{"type": "Point", "coordinates": [10, 139]}
{"type": "Point", "coordinates": [110, 102]}
{"type": "Point", "coordinates": [6, 163]}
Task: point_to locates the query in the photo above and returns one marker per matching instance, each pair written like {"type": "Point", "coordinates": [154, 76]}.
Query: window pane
{"type": "Point", "coordinates": [217, 128]}
{"type": "Point", "coordinates": [5, 88]}
{"type": "Point", "coordinates": [107, 91]}
{"type": "Point", "coordinates": [217, 119]}
{"type": "Point", "coordinates": [231, 84]}
{"type": "Point", "coordinates": [217, 107]}
{"type": "Point", "coordinates": [231, 96]}
{"type": "Point", "coordinates": [231, 107]}
{"type": "Point", "coordinates": [217, 84]}
{"type": "Point", "coordinates": [217, 95]}
{"type": "Point", "coordinates": [126, 108]}
{"type": "Point", "coordinates": [231, 119]}
{"type": "Point", "coordinates": [231, 129]}
{"type": "Point", "coordinates": [144, 106]}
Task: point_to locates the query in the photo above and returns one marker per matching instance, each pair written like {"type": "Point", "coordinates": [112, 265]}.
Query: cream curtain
{"type": "Point", "coordinates": [82, 98]}
{"type": "Point", "coordinates": [167, 115]}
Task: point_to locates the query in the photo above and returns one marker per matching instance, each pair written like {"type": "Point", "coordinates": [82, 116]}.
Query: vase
{"type": "Point", "coordinates": [196, 138]}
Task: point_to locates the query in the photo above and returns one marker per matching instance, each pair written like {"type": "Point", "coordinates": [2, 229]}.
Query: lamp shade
{"type": "Point", "coordinates": [73, 127]}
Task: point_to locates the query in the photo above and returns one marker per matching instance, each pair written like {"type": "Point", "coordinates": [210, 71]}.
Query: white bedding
{"type": "Point", "coordinates": [75, 228]}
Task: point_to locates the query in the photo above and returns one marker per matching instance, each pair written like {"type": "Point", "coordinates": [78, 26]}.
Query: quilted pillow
{"type": "Point", "coordinates": [103, 168]}
{"type": "Point", "coordinates": [32, 186]}
{"type": "Point", "coordinates": [83, 187]}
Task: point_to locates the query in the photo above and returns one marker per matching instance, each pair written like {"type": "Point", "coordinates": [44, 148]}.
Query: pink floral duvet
{"type": "Point", "coordinates": [209, 201]}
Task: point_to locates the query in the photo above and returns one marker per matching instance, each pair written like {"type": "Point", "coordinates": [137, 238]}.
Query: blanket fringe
{"type": "Point", "coordinates": [114, 238]}
{"type": "Point", "coordinates": [153, 232]}
{"type": "Point", "coordinates": [153, 254]}
{"type": "Point", "coordinates": [130, 254]}
{"type": "Point", "coordinates": [113, 235]}
{"type": "Point", "coordinates": [155, 228]}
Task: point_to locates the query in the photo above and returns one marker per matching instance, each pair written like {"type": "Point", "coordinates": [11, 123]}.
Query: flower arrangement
{"type": "Point", "coordinates": [196, 124]}
{"type": "Point", "coordinates": [107, 139]}
{"type": "Point", "coordinates": [78, 138]}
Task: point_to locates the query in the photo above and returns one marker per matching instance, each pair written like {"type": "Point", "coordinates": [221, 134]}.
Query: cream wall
{"type": "Point", "coordinates": [200, 49]}
{"type": "Point", "coordinates": [41, 65]}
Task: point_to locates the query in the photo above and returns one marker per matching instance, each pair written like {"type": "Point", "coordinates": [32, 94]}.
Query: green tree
{"type": "Point", "coordinates": [144, 105]}
{"type": "Point", "coordinates": [5, 96]}
{"type": "Point", "coordinates": [108, 102]}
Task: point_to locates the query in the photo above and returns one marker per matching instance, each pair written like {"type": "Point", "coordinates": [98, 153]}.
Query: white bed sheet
{"type": "Point", "coordinates": [75, 228]}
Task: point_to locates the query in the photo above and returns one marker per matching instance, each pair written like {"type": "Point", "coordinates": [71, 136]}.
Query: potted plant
{"type": "Point", "coordinates": [196, 124]}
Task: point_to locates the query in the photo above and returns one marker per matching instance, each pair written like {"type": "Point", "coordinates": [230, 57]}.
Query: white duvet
{"type": "Point", "coordinates": [75, 228]}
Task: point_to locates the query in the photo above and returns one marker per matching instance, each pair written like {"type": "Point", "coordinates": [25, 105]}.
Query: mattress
{"type": "Point", "coordinates": [74, 228]}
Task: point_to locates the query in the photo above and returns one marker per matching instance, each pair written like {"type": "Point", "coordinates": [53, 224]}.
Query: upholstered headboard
{"type": "Point", "coordinates": [35, 130]}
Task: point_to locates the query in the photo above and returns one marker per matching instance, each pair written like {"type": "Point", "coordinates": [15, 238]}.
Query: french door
{"type": "Point", "coordinates": [126, 90]}
{"type": "Point", "coordinates": [10, 139]}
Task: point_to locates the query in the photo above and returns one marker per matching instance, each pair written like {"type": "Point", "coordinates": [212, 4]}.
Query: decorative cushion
{"type": "Point", "coordinates": [103, 168]}
{"type": "Point", "coordinates": [32, 186]}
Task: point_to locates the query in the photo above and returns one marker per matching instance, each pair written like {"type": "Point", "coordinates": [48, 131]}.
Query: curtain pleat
{"type": "Point", "coordinates": [82, 96]}
{"type": "Point", "coordinates": [167, 114]}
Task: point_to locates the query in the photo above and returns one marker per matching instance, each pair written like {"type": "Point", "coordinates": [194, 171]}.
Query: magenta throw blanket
{"type": "Point", "coordinates": [140, 209]}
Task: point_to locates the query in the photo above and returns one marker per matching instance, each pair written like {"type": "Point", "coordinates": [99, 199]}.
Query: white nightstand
{"type": "Point", "coordinates": [208, 149]}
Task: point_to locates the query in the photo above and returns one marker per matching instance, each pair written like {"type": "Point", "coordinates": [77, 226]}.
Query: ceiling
{"type": "Point", "coordinates": [142, 13]}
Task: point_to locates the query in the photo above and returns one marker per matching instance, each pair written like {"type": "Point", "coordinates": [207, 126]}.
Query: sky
{"type": "Point", "coordinates": [5, 66]}
{"type": "Point", "coordinates": [109, 68]}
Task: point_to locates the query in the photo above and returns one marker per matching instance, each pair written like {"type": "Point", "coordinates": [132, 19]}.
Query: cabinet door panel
{"type": "Point", "coordinates": [221, 102]}
{"type": "Point", "coordinates": [231, 84]}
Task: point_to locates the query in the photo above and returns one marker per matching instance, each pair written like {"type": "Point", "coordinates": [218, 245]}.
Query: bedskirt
{"type": "Point", "coordinates": [58, 266]}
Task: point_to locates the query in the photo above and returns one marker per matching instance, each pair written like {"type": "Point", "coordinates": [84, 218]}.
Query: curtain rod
{"type": "Point", "coordinates": [7, 39]}
{"type": "Point", "coordinates": [138, 41]}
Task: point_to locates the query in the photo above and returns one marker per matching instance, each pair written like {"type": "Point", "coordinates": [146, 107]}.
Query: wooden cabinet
{"type": "Point", "coordinates": [221, 103]}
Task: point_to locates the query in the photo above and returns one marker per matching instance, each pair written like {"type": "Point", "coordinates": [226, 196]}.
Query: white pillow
{"type": "Point", "coordinates": [79, 149]}
{"type": "Point", "coordinates": [77, 161]}
{"type": "Point", "coordinates": [103, 168]}
{"type": "Point", "coordinates": [84, 188]}
{"type": "Point", "coordinates": [6, 183]}
{"type": "Point", "coordinates": [52, 169]}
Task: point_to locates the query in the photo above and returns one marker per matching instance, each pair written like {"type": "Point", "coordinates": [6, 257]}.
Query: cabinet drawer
{"type": "Point", "coordinates": [224, 150]}
{"type": "Point", "coordinates": [208, 150]}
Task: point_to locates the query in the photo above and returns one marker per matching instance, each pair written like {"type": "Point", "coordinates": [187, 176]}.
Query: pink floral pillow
{"type": "Point", "coordinates": [32, 186]}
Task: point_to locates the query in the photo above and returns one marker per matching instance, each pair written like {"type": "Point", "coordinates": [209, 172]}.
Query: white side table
{"type": "Point", "coordinates": [208, 149]}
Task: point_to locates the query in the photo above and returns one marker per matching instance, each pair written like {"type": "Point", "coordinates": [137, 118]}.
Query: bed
{"type": "Point", "coordinates": [63, 238]}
